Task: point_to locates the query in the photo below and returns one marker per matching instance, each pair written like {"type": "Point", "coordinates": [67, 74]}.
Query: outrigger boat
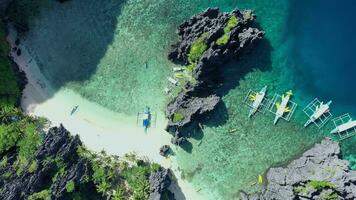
{"type": "Point", "coordinates": [74, 110]}
{"type": "Point", "coordinates": [344, 125]}
{"type": "Point", "coordinates": [146, 121]}
{"type": "Point", "coordinates": [282, 107]}
{"type": "Point", "coordinates": [257, 100]}
{"type": "Point", "coordinates": [321, 113]}
{"type": "Point", "coordinates": [178, 69]}
{"type": "Point", "coordinates": [172, 80]}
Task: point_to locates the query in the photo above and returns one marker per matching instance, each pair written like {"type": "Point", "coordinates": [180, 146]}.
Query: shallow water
{"type": "Point", "coordinates": [100, 50]}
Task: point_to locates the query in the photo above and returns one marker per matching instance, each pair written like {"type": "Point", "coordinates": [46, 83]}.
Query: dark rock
{"type": "Point", "coordinates": [321, 163]}
{"type": "Point", "coordinates": [159, 183]}
{"type": "Point", "coordinates": [58, 146]}
{"type": "Point", "coordinates": [199, 98]}
{"type": "Point", "coordinates": [18, 52]}
{"type": "Point", "coordinates": [164, 150]}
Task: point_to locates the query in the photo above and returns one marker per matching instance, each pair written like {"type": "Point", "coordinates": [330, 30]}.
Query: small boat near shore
{"type": "Point", "coordinates": [74, 110]}
{"type": "Point", "coordinates": [172, 80]}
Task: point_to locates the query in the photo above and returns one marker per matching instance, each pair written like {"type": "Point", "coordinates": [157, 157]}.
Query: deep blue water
{"type": "Point", "coordinates": [324, 52]}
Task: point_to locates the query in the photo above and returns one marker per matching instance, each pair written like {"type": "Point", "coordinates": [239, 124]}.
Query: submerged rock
{"type": "Point", "coordinates": [318, 174]}
{"type": "Point", "coordinates": [216, 38]}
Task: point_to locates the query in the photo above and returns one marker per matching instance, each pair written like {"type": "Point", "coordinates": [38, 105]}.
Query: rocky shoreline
{"type": "Point", "coordinates": [206, 42]}
{"type": "Point", "coordinates": [318, 174]}
{"type": "Point", "coordinates": [59, 161]}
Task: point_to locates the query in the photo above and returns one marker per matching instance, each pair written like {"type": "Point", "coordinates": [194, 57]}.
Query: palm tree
{"type": "Point", "coordinates": [119, 194]}
{"type": "Point", "coordinates": [103, 187]}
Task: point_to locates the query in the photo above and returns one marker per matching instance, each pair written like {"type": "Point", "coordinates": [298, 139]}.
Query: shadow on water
{"type": "Point", "coordinates": [258, 58]}
{"type": "Point", "coordinates": [72, 37]}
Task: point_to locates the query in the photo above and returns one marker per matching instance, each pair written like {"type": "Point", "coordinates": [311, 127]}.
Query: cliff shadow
{"type": "Point", "coordinates": [256, 58]}
{"type": "Point", "coordinates": [68, 40]}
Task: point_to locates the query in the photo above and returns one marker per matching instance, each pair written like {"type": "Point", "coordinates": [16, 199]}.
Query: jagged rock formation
{"type": "Point", "coordinates": [58, 163]}
{"type": "Point", "coordinates": [159, 183]}
{"type": "Point", "coordinates": [318, 174]}
{"type": "Point", "coordinates": [220, 37]}
{"type": "Point", "coordinates": [59, 148]}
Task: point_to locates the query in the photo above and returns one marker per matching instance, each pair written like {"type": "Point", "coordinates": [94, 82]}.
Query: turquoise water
{"type": "Point", "coordinates": [99, 49]}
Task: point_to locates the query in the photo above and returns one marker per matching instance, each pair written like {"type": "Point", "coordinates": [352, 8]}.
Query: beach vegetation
{"type": "Point", "coordinates": [42, 195]}
{"type": "Point", "coordinates": [70, 186]}
{"type": "Point", "coordinates": [178, 117]}
{"type": "Point", "coordinates": [9, 89]}
{"type": "Point", "coordinates": [119, 194]}
{"type": "Point", "coordinates": [197, 48]}
{"type": "Point", "coordinates": [137, 179]}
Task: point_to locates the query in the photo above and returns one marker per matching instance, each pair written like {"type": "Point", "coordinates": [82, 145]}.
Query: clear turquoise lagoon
{"type": "Point", "coordinates": [100, 49]}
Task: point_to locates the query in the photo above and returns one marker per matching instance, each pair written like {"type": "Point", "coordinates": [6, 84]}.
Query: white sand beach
{"type": "Point", "coordinates": [98, 127]}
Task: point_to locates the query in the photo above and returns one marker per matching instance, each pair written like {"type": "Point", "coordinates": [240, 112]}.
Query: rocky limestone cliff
{"type": "Point", "coordinates": [58, 162]}
{"type": "Point", "coordinates": [222, 37]}
{"type": "Point", "coordinates": [318, 174]}
{"type": "Point", "coordinates": [58, 147]}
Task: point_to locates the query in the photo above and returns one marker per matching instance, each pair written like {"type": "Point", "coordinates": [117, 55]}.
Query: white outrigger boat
{"type": "Point", "coordinates": [282, 107]}
{"type": "Point", "coordinates": [318, 113]}
{"type": "Point", "coordinates": [257, 100]}
{"type": "Point", "coordinates": [172, 80]}
{"type": "Point", "coordinates": [344, 126]}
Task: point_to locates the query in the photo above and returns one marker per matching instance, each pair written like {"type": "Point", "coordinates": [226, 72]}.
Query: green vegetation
{"type": "Point", "coordinates": [329, 196]}
{"type": "Point", "coordinates": [119, 194]}
{"type": "Point", "coordinates": [197, 48]}
{"type": "Point", "coordinates": [231, 23]}
{"type": "Point", "coordinates": [43, 195]}
{"type": "Point", "coordinates": [3, 162]}
{"type": "Point", "coordinates": [33, 167]}
{"type": "Point", "coordinates": [20, 12]}
{"type": "Point", "coordinates": [9, 89]}
{"type": "Point", "coordinates": [320, 185]}
{"type": "Point", "coordinates": [178, 117]}
{"type": "Point", "coordinates": [313, 184]}
{"type": "Point", "coordinates": [70, 186]}
{"type": "Point", "coordinates": [137, 178]}
{"type": "Point", "coordinates": [223, 39]}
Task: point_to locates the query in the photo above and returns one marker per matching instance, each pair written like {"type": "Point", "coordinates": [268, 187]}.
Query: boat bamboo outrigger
{"type": "Point", "coordinates": [172, 80]}
{"type": "Point", "coordinates": [257, 101]}
{"type": "Point", "coordinates": [285, 109]}
{"type": "Point", "coordinates": [147, 117]}
{"type": "Point", "coordinates": [345, 127]}
{"type": "Point", "coordinates": [318, 113]}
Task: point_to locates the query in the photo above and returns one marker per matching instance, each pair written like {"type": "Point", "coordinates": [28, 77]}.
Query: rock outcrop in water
{"type": "Point", "coordinates": [318, 174]}
{"type": "Point", "coordinates": [206, 42]}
